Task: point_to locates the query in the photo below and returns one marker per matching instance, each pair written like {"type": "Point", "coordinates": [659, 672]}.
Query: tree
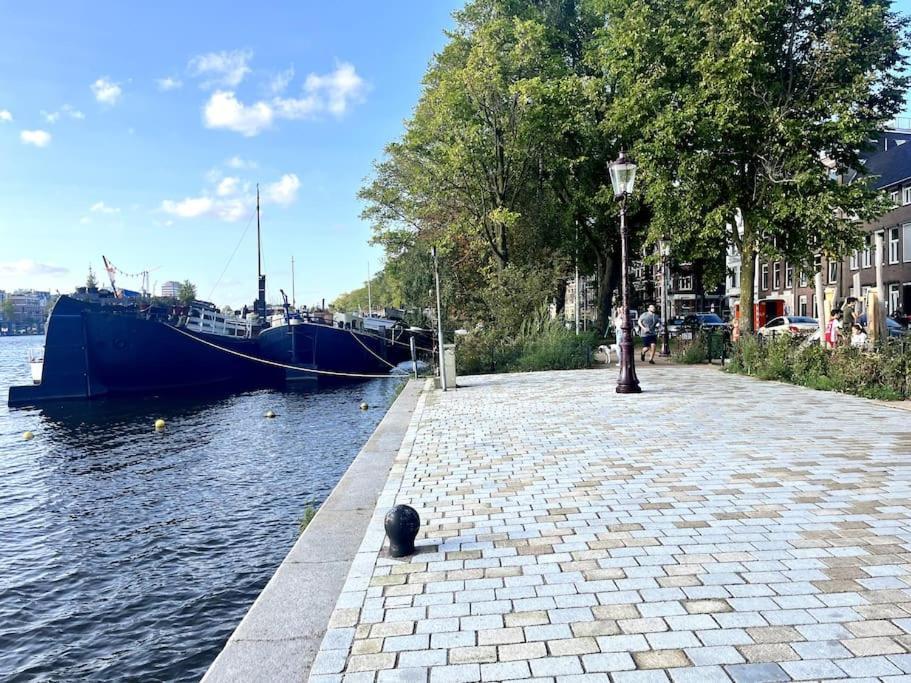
{"type": "Point", "coordinates": [752, 114]}
{"type": "Point", "coordinates": [91, 282]}
{"type": "Point", "coordinates": [504, 160]}
{"type": "Point", "coordinates": [7, 309]}
{"type": "Point", "coordinates": [187, 292]}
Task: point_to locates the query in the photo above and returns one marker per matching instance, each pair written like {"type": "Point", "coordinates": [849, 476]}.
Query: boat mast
{"type": "Point", "coordinates": [369, 294]}
{"type": "Point", "coordinates": [261, 279]}
{"type": "Point", "coordinates": [293, 297]}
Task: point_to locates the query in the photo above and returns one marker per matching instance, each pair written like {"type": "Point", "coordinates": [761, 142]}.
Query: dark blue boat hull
{"type": "Point", "coordinates": [94, 350]}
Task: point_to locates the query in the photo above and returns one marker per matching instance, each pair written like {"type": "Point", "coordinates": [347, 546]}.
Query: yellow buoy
{"type": "Point", "coordinates": [28, 436]}
{"type": "Point", "coordinates": [159, 424]}
{"type": "Point", "coordinates": [269, 413]}
{"type": "Point", "coordinates": [364, 405]}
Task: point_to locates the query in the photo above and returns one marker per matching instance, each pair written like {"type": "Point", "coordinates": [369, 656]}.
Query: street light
{"type": "Point", "coordinates": [622, 177]}
{"type": "Point", "coordinates": [664, 250]}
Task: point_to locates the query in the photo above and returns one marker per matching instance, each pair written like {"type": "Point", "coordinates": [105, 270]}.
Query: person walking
{"type": "Point", "coordinates": [833, 328]}
{"type": "Point", "coordinates": [849, 313]}
{"type": "Point", "coordinates": [648, 327]}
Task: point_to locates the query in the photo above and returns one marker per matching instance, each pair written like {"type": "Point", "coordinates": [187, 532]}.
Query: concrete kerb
{"type": "Point", "coordinates": [280, 635]}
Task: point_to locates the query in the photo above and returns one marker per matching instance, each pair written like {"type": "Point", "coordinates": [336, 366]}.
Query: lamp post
{"type": "Point", "coordinates": [664, 249]}
{"type": "Point", "coordinates": [622, 177]}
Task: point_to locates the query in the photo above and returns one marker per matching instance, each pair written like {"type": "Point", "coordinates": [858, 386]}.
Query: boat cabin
{"type": "Point", "coordinates": [208, 319]}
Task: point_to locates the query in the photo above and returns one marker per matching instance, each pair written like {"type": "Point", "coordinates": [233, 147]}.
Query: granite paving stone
{"type": "Point", "coordinates": [573, 535]}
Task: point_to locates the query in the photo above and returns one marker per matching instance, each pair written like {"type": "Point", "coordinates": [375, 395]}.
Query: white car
{"type": "Point", "coordinates": [793, 325]}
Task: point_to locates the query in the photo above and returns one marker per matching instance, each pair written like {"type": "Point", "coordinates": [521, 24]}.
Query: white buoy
{"type": "Point", "coordinates": [159, 425]}
{"type": "Point", "coordinates": [269, 413]}
{"type": "Point", "coordinates": [28, 436]}
{"type": "Point", "coordinates": [364, 405]}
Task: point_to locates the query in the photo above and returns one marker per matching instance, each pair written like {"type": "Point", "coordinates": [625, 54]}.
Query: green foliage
{"type": "Point", "coordinates": [187, 292]}
{"type": "Point", "coordinates": [91, 281]}
{"type": "Point", "coordinates": [883, 374]}
{"type": "Point", "coordinates": [306, 518]}
{"type": "Point", "coordinates": [729, 106]}
{"type": "Point", "coordinates": [694, 352]}
{"type": "Point", "coordinates": [539, 344]}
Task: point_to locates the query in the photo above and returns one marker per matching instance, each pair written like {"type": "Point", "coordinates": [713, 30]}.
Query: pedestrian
{"type": "Point", "coordinates": [833, 328]}
{"type": "Point", "coordinates": [618, 335]}
{"type": "Point", "coordinates": [858, 336]}
{"type": "Point", "coordinates": [648, 326]}
{"type": "Point", "coordinates": [849, 313]}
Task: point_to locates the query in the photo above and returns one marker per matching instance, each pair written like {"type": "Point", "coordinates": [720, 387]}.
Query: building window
{"type": "Point", "coordinates": [893, 298]}
{"type": "Point", "coordinates": [833, 271]}
{"type": "Point", "coordinates": [776, 275]}
{"type": "Point", "coordinates": [802, 305]}
{"type": "Point", "coordinates": [764, 278]}
{"type": "Point", "coordinates": [788, 276]}
{"type": "Point", "coordinates": [804, 279]}
{"type": "Point", "coordinates": [867, 253]}
{"type": "Point", "coordinates": [855, 260]}
{"type": "Point", "coordinates": [906, 194]}
{"type": "Point", "coordinates": [894, 196]}
{"type": "Point", "coordinates": [906, 242]}
{"type": "Point", "coordinates": [893, 245]}
{"type": "Point", "coordinates": [685, 283]}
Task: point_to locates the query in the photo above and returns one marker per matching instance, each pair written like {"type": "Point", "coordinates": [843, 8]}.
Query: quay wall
{"type": "Point", "coordinates": [281, 633]}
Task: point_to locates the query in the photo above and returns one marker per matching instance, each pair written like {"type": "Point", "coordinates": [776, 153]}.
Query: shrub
{"type": "Point", "coordinates": [694, 352]}
{"type": "Point", "coordinates": [882, 374]}
{"type": "Point", "coordinates": [540, 344]}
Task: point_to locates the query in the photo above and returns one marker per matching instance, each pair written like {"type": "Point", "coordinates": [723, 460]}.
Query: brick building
{"type": "Point", "coordinates": [782, 289]}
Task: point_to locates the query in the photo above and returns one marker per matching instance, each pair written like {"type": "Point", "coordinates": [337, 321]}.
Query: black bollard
{"type": "Point", "coordinates": [402, 524]}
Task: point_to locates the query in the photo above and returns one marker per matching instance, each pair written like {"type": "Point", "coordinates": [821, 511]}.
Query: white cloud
{"type": "Point", "coordinates": [29, 267]}
{"type": "Point", "coordinates": [39, 138]}
{"type": "Point", "coordinates": [67, 110]}
{"type": "Point", "coordinates": [334, 93]}
{"type": "Point", "coordinates": [231, 199]}
{"type": "Point", "coordinates": [224, 110]}
{"type": "Point", "coordinates": [284, 191]}
{"type": "Point", "coordinates": [338, 89]}
{"type": "Point", "coordinates": [191, 207]}
{"type": "Point", "coordinates": [237, 162]}
{"type": "Point", "coordinates": [227, 186]}
{"type": "Point", "coordinates": [226, 69]}
{"type": "Point", "coordinates": [72, 112]}
{"type": "Point", "coordinates": [5, 116]}
{"type": "Point", "coordinates": [106, 91]}
{"type": "Point", "coordinates": [101, 207]}
{"type": "Point", "coordinates": [279, 82]}
{"type": "Point", "coordinates": [168, 83]}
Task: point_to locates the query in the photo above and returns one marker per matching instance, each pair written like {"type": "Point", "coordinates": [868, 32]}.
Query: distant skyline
{"type": "Point", "coordinates": [140, 132]}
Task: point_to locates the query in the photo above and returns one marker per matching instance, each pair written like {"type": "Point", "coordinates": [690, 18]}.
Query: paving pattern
{"type": "Point", "coordinates": [713, 528]}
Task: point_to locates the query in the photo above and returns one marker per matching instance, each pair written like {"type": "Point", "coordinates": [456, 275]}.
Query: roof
{"type": "Point", "coordinates": [891, 166]}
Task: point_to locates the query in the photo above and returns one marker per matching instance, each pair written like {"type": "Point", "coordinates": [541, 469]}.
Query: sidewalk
{"type": "Point", "coordinates": [712, 528]}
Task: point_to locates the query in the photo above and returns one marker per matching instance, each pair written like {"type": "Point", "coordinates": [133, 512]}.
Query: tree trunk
{"type": "Point", "coordinates": [560, 298]}
{"type": "Point", "coordinates": [747, 281]}
{"type": "Point", "coordinates": [607, 283]}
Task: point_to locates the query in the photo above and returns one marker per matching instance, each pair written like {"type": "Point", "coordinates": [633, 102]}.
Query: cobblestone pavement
{"type": "Point", "coordinates": [714, 528]}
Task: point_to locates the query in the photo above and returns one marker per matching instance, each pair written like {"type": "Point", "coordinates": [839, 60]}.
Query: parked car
{"type": "Point", "coordinates": [893, 327]}
{"type": "Point", "coordinates": [673, 327]}
{"type": "Point", "coordinates": [794, 325]}
{"type": "Point", "coordinates": [704, 321]}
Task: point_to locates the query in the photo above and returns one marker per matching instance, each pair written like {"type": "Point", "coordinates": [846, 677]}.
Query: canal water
{"type": "Point", "coordinates": [127, 554]}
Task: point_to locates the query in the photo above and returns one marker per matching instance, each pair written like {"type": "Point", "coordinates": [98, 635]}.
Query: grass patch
{"type": "Point", "coordinates": [306, 518]}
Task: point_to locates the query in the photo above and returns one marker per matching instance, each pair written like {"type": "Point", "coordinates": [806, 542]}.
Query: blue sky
{"type": "Point", "coordinates": [138, 131]}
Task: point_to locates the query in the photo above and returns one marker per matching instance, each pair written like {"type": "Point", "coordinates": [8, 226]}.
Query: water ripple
{"type": "Point", "coordinates": [129, 554]}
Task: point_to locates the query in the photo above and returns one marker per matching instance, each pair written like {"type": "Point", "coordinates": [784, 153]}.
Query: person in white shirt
{"type": "Point", "coordinates": [858, 336]}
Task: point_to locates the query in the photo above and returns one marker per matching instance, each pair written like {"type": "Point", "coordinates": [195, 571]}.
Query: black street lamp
{"type": "Point", "coordinates": [622, 177]}
{"type": "Point", "coordinates": [664, 249]}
